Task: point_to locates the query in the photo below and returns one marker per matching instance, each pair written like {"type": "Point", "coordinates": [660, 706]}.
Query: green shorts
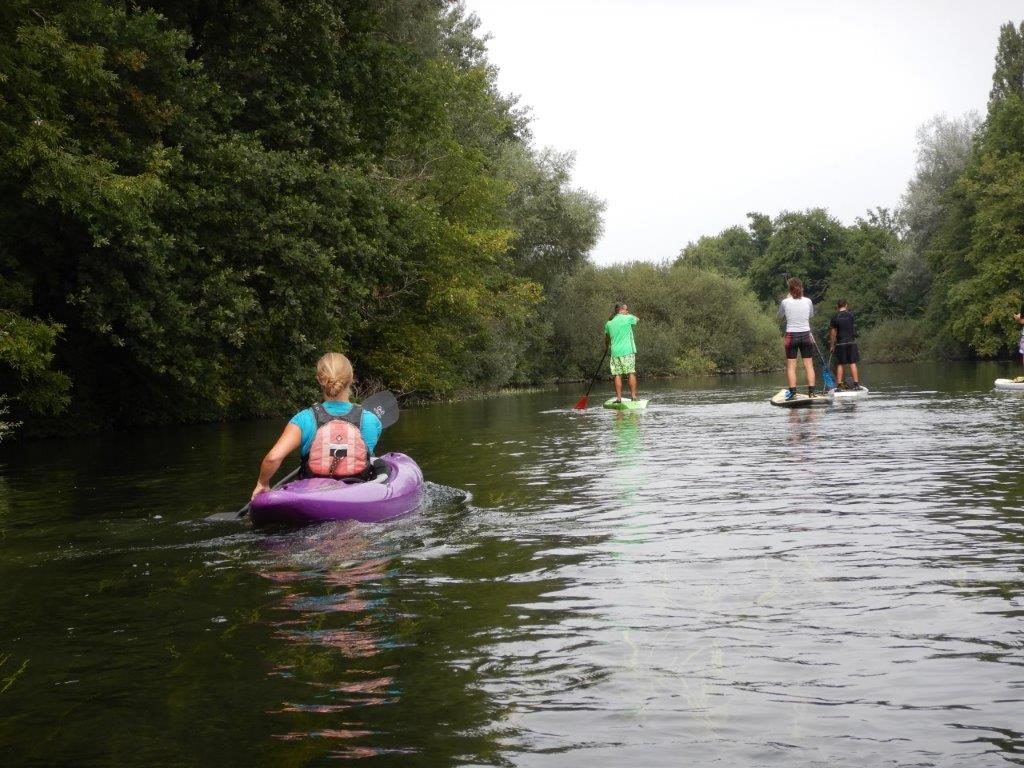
{"type": "Point", "coordinates": [621, 366]}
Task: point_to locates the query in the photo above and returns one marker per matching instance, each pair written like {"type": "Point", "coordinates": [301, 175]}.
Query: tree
{"type": "Point", "coordinates": [944, 149]}
{"type": "Point", "coordinates": [556, 226]}
{"type": "Point", "coordinates": [804, 245]}
{"type": "Point", "coordinates": [761, 230]}
{"type": "Point", "coordinates": [862, 275]}
{"type": "Point", "coordinates": [197, 199]}
{"type": "Point", "coordinates": [692, 321]}
{"type": "Point", "coordinates": [87, 94]}
{"type": "Point", "coordinates": [730, 252]}
{"type": "Point", "coordinates": [981, 259]}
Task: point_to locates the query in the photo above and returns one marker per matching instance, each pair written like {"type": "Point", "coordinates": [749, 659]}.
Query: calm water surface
{"type": "Point", "coordinates": [711, 582]}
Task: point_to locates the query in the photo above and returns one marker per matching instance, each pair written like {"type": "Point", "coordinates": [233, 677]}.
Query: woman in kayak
{"type": "Point", "coordinates": [335, 438]}
{"type": "Point", "coordinates": [798, 310]}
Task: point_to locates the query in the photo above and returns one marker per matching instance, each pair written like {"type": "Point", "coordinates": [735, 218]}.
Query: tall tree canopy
{"type": "Point", "coordinates": [198, 198]}
{"type": "Point", "coordinates": [979, 259]}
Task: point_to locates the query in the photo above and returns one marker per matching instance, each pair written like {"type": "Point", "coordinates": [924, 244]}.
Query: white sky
{"type": "Point", "coordinates": [684, 115]}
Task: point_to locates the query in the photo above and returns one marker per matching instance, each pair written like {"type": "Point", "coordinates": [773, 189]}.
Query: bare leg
{"type": "Point", "coordinates": [632, 386]}
{"type": "Point", "coordinates": [618, 387]}
{"type": "Point", "coordinates": [809, 370]}
{"type": "Point", "coordinates": [853, 370]}
{"type": "Point", "coordinates": [791, 372]}
{"type": "Point", "coordinates": [839, 373]}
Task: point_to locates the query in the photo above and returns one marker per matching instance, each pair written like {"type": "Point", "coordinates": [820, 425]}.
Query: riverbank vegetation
{"type": "Point", "coordinates": [941, 276]}
{"type": "Point", "coordinates": [195, 203]}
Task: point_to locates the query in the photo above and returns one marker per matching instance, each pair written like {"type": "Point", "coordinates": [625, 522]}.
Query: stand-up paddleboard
{"type": "Point", "coordinates": [846, 393]}
{"type": "Point", "coordinates": [1011, 385]}
{"type": "Point", "coordinates": [626, 404]}
{"type": "Point", "coordinates": [800, 400]}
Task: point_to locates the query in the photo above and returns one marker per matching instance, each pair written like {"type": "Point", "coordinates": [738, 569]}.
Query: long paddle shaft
{"type": "Point", "coordinates": [581, 404]}
{"type": "Point", "coordinates": [383, 405]}
{"type": "Point", "coordinates": [826, 374]}
{"type": "Point", "coordinates": [286, 479]}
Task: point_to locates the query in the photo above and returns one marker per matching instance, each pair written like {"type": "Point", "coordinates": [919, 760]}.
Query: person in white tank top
{"type": "Point", "coordinates": [798, 311]}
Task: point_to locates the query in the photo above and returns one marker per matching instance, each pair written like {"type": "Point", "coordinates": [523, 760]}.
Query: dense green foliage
{"type": "Point", "coordinates": [987, 228]}
{"type": "Point", "coordinates": [833, 261]}
{"type": "Point", "coordinates": [198, 199]}
{"type": "Point", "coordinates": [691, 320]}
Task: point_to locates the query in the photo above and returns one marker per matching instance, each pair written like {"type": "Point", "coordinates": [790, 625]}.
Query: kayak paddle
{"type": "Point", "coordinates": [383, 405]}
{"type": "Point", "coordinates": [287, 478]}
{"type": "Point", "coordinates": [581, 404]}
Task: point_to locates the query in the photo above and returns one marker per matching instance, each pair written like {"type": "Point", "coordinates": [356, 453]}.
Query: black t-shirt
{"type": "Point", "coordinates": [843, 323]}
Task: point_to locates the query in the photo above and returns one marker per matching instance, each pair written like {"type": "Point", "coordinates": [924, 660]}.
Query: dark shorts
{"type": "Point", "coordinates": [798, 342]}
{"type": "Point", "coordinates": [847, 353]}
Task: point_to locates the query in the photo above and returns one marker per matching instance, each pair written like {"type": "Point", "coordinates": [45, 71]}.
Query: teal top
{"type": "Point", "coordinates": [369, 424]}
{"type": "Point", "coordinates": [620, 329]}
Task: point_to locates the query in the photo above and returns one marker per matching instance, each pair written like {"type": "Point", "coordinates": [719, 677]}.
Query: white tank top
{"type": "Point", "coordinates": [798, 314]}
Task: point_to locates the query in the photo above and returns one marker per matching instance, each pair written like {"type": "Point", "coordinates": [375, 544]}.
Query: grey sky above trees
{"type": "Point", "coordinates": [684, 116]}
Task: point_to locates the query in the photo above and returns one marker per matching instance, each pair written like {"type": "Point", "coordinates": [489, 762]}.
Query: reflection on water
{"type": "Point", "coordinates": [322, 578]}
{"type": "Point", "coordinates": [710, 581]}
{"type": "Point", "coordinates": [627, 432]}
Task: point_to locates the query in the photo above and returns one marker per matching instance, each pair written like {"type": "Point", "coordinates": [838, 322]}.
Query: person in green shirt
{"type": "Point", "coordinates": [618, 337]}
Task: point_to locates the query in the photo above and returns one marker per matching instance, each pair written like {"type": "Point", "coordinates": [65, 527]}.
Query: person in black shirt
{"type": "Point", "coordinates": [842, 340]}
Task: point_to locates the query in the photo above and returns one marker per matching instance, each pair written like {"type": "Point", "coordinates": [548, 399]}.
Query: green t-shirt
{"type": "Point", "coordinates": [620, 329]}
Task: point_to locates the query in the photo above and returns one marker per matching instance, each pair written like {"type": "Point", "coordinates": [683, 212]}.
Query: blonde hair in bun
{"type": "Point", "coordinates": [334, 374]}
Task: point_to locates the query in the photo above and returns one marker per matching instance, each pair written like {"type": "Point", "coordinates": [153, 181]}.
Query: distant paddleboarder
{"type": "Point", "coordinates": [842, 335]}
{"type": "Point", "coordinates": [1019, 317]}
{"type": "Point", "coordinates": [798, 310]}
{"type": "Point", "coordinates": [618, 339]}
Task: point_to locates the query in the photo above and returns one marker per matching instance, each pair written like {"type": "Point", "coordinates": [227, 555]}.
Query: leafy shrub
{"type": "Point", "coordinates": [692, 321]}
{"type": "Point", "coordinates": [896, 340]}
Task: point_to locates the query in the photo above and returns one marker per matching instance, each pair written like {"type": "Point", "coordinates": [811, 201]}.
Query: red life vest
{"type": "Point", "coordinates": [338, 448]}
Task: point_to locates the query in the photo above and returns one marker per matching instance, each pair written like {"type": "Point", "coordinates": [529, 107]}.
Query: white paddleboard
{"type": "Point", "coordinates": [800, 400]}
{"type": "Point", "coordinates": [846, 393]}
{"type": "Point", "coordinates": [1011, 385]}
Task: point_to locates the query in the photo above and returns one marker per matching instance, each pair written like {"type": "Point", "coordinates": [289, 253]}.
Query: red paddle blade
{"type": "Point", "coordinates": [581, 404]}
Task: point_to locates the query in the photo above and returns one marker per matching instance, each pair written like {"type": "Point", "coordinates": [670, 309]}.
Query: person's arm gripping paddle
{"type": "Point", "coordinates": [288, 442]}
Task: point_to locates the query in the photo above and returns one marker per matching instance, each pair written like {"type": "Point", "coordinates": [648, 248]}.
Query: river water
{"type": "Point", "coordinates": [711, 582]}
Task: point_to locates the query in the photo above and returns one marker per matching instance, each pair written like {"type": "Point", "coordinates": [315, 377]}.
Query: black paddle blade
{"type": "Point", "coordinates": [384, 406]}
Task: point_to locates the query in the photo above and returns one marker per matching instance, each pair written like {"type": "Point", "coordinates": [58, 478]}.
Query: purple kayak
{"type": "Point", "coordinates": [396, 490]}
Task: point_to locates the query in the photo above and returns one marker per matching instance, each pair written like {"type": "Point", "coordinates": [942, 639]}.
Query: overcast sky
{"type": "Point", "coordinates": [686, 115]}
